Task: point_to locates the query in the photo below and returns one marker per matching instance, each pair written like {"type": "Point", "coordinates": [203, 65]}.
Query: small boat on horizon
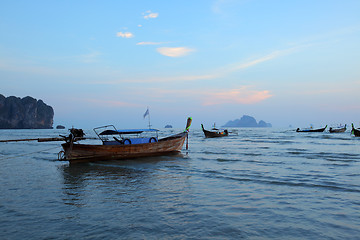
{"type": "Point", "coordinates": [338, 129]}
{"type": "Point", "coordinates": [311, 129]}
{"type": "Point", "coordinates": [214, 132]}
{"type": "Point", "coordinates": [355, 131]}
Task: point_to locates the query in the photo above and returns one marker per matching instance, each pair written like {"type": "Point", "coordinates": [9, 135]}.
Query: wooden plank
{"type": "Point", "coordinates": [34, 139]}
{"type": "Point", "coordinates": [20, 140]}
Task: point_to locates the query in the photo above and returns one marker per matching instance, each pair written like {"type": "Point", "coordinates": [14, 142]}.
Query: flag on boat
{"type": "Point", "coordinates": [146, 113]}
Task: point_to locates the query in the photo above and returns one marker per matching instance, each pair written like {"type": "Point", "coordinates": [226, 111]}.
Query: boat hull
{"type": "Point", "coordinates": [312, 130]}
{"type": "Point", "coordinates": [86, 152]}
{"type": "Point", "coordinates": [355, 131]}
{"type": "Point", "coordinates": [209, 134]}
{"type": "Point", "coordinates": [337, 130]}
{"type": "Point", "coordinates": [213, 134]}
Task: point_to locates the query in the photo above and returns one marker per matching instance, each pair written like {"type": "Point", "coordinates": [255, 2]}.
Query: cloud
{"type": "Point", "coordinates": [90, 58]}
{"type": "Point", "coordinates": [175, 52]}
{"type": "Point", "coordinates": [150, 43]}
{"type": "Point", "coordinates": [242, 95]}
{"type": "Point", "coordinates": [157, 79]}
{"type": "Point", "coordinates": [28, 67]}
{"type": "Point", "coordinates": [265, 58]}
{"type": "Point", "coordinates": [213, 74]}
{"type": "Point", "coordinates": [182, 78]}
{"type": "Point", "coordinates": [125, 34]}
{"type": "Point", "coordinates": [110, 103]}
{"type": "Point", "coordinates": [257, 61]}
{"type": "Point", "coordinates": [151, 15]}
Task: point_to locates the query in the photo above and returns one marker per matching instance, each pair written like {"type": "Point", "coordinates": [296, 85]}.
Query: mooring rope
{"type": "Point", "coordinates": [21, 155]}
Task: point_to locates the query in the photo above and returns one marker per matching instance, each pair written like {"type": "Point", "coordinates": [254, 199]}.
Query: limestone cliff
{"type": "Point", "coordinates": [25, 113]}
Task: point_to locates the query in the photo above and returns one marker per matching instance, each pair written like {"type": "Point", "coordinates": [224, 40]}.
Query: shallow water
{"type": "Point", "coordinates": [259, 184]}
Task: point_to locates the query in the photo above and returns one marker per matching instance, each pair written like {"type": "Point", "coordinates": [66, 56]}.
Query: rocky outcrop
{"type": "Point", "coordinates": [264, 124]}
{"type": "Point", "coordinates": [246, 121]}
{"type": "Point", "coordinates": [25, 113]}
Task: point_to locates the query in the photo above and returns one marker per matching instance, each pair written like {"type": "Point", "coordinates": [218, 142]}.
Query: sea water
{"type": "Point", "coordinates": [256, 184]}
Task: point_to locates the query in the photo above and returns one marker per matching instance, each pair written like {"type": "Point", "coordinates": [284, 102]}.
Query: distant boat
{"type": "Point", "coordinates": [338, 130]}
{"type": "Point", "coordinates": [60, 127]}
{"type": "Point", "coordinates": [214, 132]}
{"type": "Point", "coordinates": [311, 130]}
{"type": "Point", "coordinates": [123, 144]}
{"type": "Point", "coordinates": [168, 126]}
{"type": "Point", "coordinates": [355, 131]}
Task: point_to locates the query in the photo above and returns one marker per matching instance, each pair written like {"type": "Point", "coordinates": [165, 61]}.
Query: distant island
{"type": "Point", "coordinates": [247, 121]}
{"type": "Point", "coordinates": [25, 113]}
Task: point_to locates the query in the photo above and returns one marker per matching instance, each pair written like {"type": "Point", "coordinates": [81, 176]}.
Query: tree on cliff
{"type": "Point", "coordinates": [25, 113]}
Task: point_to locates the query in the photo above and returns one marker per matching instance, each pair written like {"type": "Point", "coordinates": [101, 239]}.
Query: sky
{"type": "Point", "coordinates": [105, 62]}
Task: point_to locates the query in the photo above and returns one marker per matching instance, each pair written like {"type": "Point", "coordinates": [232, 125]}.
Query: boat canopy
{"type": "Point", "coordinates": [127, 131]}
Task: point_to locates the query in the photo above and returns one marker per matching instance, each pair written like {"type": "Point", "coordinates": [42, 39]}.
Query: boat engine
{"type": "Point", "coordinates": [75, 134]}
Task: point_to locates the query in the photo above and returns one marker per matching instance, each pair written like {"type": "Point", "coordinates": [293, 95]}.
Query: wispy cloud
{"type": "Point", "coordinates": [125, 34]}
{"type": "Point", "coordinates": [36, 66]}
{"type": "Point", "coordinates": [90, 58]}
{"type": "Point", "coordinates": [109, 103]}
{"type": "Point", "coordinates": [151, 43]}
{"type": "Point", "coordinates": [150, 14]}
{"type": "Point", "coordinates": [28, 67]}
{"type": "Point", "coordinates": [175, 51]}
{"type": "Point", "coordinates": [242, 95]}
{"type": "Point", "coordinates": [268, 57]}
{"type": "Point", "coordinates": [213, 74]}
{"type": "Point", "coordinates": [157, 79]}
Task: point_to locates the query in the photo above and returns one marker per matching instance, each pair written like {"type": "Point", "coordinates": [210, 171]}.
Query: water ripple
{"type": "Point", "coordinates": [259, 184]}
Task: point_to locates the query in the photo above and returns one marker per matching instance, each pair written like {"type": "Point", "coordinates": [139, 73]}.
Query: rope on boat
{"type": "Point", "coordinates": [25, 154]}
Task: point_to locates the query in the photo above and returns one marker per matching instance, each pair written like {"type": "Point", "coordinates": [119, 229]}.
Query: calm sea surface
{"type": "Point", "coordinates": [259, 184]}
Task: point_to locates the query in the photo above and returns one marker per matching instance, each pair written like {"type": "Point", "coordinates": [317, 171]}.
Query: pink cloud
{"type": "Point", "coordinates": [150, 43]}
{"type": "Point", "coordinates": [242, 95]}
{"type": "Point", "coordinates": [175, 51]}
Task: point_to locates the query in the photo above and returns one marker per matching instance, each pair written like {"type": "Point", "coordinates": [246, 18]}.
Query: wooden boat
{"type": "Point", "coordinates": [215, 132]}
{"type": "Point", "coordinates": [337, 130]}
{"type": "Point", "coordinates": [355, 131]}
{"type": "Point", "coordinates": [117, 148]}
{"type": "Point", "coordinates": [311, 130]}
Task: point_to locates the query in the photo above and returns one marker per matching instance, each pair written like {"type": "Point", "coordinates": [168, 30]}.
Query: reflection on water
{"type": "Point", "coordinates": [116, 179]}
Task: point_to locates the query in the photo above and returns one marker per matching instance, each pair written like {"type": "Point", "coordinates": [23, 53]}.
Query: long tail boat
{"type": "Point", "coordinates": [355, 131]}
{"type": "Point", "coordinates": [119, 144]}
{"type": "Point", "coordinates": [337, 130]}
{"type": "Point", "coordinates": [311, 130]}
{"type": "Point", "coordinates": [214, 133]}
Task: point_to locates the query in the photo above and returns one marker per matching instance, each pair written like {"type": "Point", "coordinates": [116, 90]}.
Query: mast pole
{"type": "Point", "coordinates": [149, 117]}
